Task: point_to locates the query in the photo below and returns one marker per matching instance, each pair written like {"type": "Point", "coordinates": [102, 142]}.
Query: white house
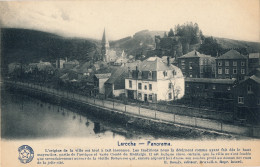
{"type": "Point", "coordinates": [153, 80]}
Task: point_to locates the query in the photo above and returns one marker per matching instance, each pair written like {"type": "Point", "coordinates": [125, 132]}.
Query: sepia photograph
{"type": "Point", "coordinates": [125, 83]}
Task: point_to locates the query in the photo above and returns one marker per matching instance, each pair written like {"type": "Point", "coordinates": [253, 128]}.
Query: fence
{"type": "Point", "coordinates": [149, 113]}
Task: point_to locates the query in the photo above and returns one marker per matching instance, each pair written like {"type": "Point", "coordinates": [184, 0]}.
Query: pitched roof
{"type": "Point", "coordinates": [210, 80]}
{"type": "Point", "coordinates": [254, 55]}
{"type": "Point", "coordinates": [194, 53]}
{"type": "Point", "coordinates": [232, 54]}
{"type": "Point", "coordinates": [153, 64]}
{"type": "Point", "coordinates": [102, 76]}
{"type": "Point", "coordinates": [255, 78]}
{"type": "Point", "coordinates": [119, 74]}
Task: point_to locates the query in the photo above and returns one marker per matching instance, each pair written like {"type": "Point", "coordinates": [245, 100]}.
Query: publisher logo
{"type": "Point", "coordinates": [26, 154]}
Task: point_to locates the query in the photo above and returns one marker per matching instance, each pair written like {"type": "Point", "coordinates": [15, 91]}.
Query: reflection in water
{"type": "Point", "coordinates": [25, 117]}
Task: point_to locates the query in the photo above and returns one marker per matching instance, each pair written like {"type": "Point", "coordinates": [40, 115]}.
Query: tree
{"type": "Point", "coordinates": [211, 47]}
{"type": "Point", "coordinates": [171, 33]}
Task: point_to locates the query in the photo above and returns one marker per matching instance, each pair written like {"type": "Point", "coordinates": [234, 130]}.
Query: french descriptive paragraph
{"type": "Point", "coordinates": [167, 156]}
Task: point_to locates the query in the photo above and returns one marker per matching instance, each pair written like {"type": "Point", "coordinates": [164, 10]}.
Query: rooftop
{"type": "Point", "coordinates": [155, 64]}
{"type": "Point", "coordinates": [210, 80]}
{"type": "Point", "coordinates": [102, 76]}
{"type": "Point", "coordinates": [119, 73]}
{"type": "Point", "coordinates": [193, 54]}
{"type": "Point", "coordinates": [254, 55]}
{"type": "Point", "coordinates": [232, 54]}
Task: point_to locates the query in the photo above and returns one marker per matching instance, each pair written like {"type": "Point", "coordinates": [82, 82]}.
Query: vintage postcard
{"type": "Point", "coordinates": [130, 83]}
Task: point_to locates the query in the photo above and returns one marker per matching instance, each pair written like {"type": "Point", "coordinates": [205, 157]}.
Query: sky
{"type": "Point", "coordinates": [235, 19]}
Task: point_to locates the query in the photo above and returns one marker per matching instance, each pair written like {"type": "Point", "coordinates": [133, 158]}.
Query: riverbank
{"type": "Point", "coordinates": [137, 116]}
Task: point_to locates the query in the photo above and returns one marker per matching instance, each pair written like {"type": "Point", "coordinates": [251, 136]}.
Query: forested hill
{"type": "Point", "coordinates": [252, 47]}
{"type": "Point", "coordinates": [26, 46]}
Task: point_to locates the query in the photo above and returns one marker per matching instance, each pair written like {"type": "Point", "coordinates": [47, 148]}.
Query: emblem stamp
{"type": "Point", "coordinates": [26, 154]}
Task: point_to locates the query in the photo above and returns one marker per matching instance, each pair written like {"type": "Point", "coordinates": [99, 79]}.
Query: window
{"type": "Point", "coordinates": [183, 62]}
{"type": "Point", "coordinates": [242, 63]}
{"type": "Point", "coordinates": [226, 70]}
{"type": "Point", "coordinates": [240, 100]}
{"type": "Point", "coordinates": [139, 85]}
{"type": "Point", "coordinates": [234, 63]}
{"type": "Point", "coordinates": [150, 87]}
{"type": "Point", "coordinates": [187, 85]}
{"type": "Point", "coordinates": [229, 88]}
{"type": "Point", "coordinates": [145, 87]}
{"type": "Point", "coordinates": [258, 101]}
{"type": "Point", "coordinates": [150, 97]}
{"type": "Point", "coordinates": [249, 89]}
{"type": "Point", "coordinates": [214, 87]}
{"type": "Point", "coordinates": [219, 63]}
{"type": "Point", "coordinates": [219, 70]}
{"type": "Point", "coordinates": [206, 86]}
{"type": "Point", "coordinates": [139, 75]}
{"type": "Point", "coordinates": [190, 75]}
{"type": "Point", "coordinates": [190, 65]}
{"type": "Point", "coordinates": [234, 70]}
{"type": "Point", "coordinates": [242, 71]}
{"type": "Point", "coordinates": [165, 73]}
{"type": "Point", "coordinates": [170, 95]}
{"type": "Point", "coordinates": [130, 84]}
{"type": "Point", "coordinates": [170, 85]}
{"type": "Point", "coordinates": [173, 72]}
{"type": "Point", "coordinates": [226, 63]}
{"type": "Point", "coordinates": [140, 96]}
{"type": "Point", "coordinates": [150, 75]}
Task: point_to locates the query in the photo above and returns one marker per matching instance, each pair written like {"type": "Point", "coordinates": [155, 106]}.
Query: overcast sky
{"type": "Point", "coordinates": [236, 19]}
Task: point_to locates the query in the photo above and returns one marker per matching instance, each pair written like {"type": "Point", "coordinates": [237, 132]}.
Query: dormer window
{"type": "Point", "coordinates": [150, 75]}
{"type": "Point", "coordinates": [140, 75]}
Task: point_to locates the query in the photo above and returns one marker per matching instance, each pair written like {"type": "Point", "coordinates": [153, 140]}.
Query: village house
{"type": "Point", "coordinates": [247, 98]}
{"type": "Point", "coordinates": [70, 64]}
{"type": "Point", "coordinates": [99, 83]}
{"type": "Point", "coordinates": [115, 85]}
{"type": "Point", "coordinates": [153, 80]}
{"type": "Point", "coordinates": [197, 65]}
{"type": "Point", "coordinates": [232, 64]}
{"type": "Point", "coordinates": [253, 62]}
{"type": "Point", "coordinates": [209, 87]}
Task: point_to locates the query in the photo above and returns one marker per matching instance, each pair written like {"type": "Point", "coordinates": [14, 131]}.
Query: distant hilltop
{"type": "Point", "coordinates": [30, 45]}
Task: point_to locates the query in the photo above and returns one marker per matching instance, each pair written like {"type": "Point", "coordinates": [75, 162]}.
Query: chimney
{"type": "Point", "coordinates": [195, 52]}
{"type": "Point", "coordinates": [168, 61]}
{"type": "Point", "coordinates": [136, 72]}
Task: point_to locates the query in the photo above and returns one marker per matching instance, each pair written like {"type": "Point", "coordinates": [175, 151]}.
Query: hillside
{"type": "Point", "coordinates": [26, 46]}
{"type": "Point", "coordinates": [138, 44]}
{"type": "Point", "coordinates": [252, 47]}
{"type": "Point", "coordinates": [144, 40]}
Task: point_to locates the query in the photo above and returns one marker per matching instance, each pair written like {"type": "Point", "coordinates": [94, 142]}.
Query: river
{"type": "Point", "coordinates": [26, 118]}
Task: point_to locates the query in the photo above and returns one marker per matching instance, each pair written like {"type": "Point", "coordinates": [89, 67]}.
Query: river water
{"type": "Point", "coordinates": [26, 118]}
{"type": "Point", "coordinates": [23, 117]}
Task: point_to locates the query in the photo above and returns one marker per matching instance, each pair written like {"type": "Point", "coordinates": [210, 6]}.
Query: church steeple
{"type": "Point", "coordinates": [105, 47]}
{"type": "Point", "coordinates": [105, 40]}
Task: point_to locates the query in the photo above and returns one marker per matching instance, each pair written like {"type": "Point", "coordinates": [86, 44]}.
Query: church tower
{"type": "Point", "coordinates": [104, 47]}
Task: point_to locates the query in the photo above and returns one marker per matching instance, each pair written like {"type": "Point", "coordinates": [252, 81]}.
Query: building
{"type": "Point", "coordinates": [109, 55]}
{"type": "Point", "coordinates": [232, 64]}
{"type": "Point", "coordinates": [153, 80]}
{"type": "Point", "coordinates": [197, 65]}
{"type": "Point", "coordinates": [70, 64]}
{"type": "Point", "coordinates": [247, 98]}
{"type": "Point", "coordinates": [253, 62]}
{"type": "Point", "coordinates": [99, 83]}
{"type": "Point", "coordinates": [209, 87]}
{"type": "Point", "coordinates": [115, 85]}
